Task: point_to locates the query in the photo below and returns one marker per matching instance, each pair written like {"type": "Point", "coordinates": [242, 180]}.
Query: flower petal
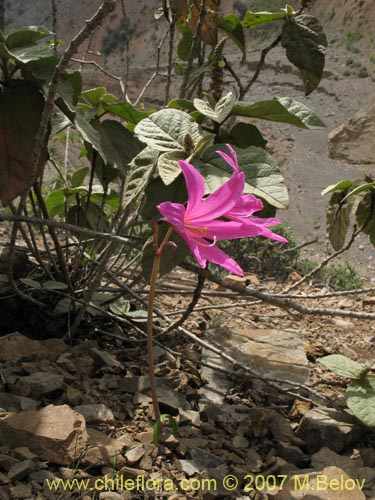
{"type": "Point", "coordinates": [232, 159]}
{"type": "Point", "coordinates": [247, 205]}
{"type": "Point", "coordinates": [173, 213]}
{"type": "Point", "coordinates": [217, 256]}
{"type": "Point", "coordinates": [220, 201]}
{"type": "Point", "coordinates": [194, 184]}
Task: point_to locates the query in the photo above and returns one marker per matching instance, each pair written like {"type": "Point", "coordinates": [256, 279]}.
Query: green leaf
{"type": "Point", "coordinates": [26, 36]}
{"type": "Point", "coordinates": [31, 283]}
{"type": "Point", "coordinates": [166, 130]}
{"type": "Point", "coordinates": [118, 144]}
{"type": "Point", "coordinates": [111, 199]}
{"type": "Point", "coordinates": [254, 19]}
{"type": "Point", "coordinates": [343, 185]}
{"type": "Point", "coordinates": [280, 109]}
{"type": "Point", "coordinates": [138, 316]}
{"type": "Point", "coordinates": [88, 131]}
{"type": "Point", "coordinates": [140, 172]}
{"type": "Point", "coordinates": [365, 215]}
{"type": "Point", "coordinates": [55, 202]}
{"type": "Point", "coordinates": [185, 44]}
{"type": "Point", "coordinates": [360, 398]}
{"type": "Point", "coordinates": [64, 306]}
{"type": "Point", "coordinates": [54, 285]}
{"type": "Point", "coordinates": [31, 53]}
{"type": "Point", "coordinates": [359, 189]}
{"type": "Point", "coordinates": [305, 44]}
{"type": "Point", "coordinates": [21, 106]}
{"type": "Point", "coordinates": [79, 176]}
{"type": "Point", "coordinates": [158, 423]}
{"type": "Point", "coordinates": [263, 177]}
{"type": "Point", "coordinates": [94, 96]}
{"type": "Point", "coordinates": [222, 108]}
{"type": "Point", "coordinates": [59, 122]}
{"type": "Point", "coordinates": [158, 13]}
{"type": "Point", "coordinates": [183, 104]}
{"type": "Point", "coordinates": [168, 168]}
{"type": "Point", "coordinates": [246, 135]}
{"type": "Point", "coordinates": [70, 87]}
{"type": "Point", "coordinates": [120, 307]}
{"type": "Point", "coordinates": [338, 218]}
{"type": "Point", "coordinates": [342, 365]}
{"type": "Point", "coordinates": [127, 112]}
{"type": "Point", "coordinates": [157, 192]}
{"type": "Point", "coordinates": [233, 27]}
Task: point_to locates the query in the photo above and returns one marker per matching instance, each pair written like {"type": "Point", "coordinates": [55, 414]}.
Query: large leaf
{"type": "Point", "coordinates": [233, 27]}
{"type": "Point", "coordinates": [305, 44]}
{"type": "Point", "coordinates": [254, 19]}
{"type": "Point", "coordinates": [168, 168]}
{"type": "Point", "coordinates": [208, 20]}
{"type": "Point", "coordinates": [21, 109]}
{"type": "Point", "coordinates": [31, 53]}
{"type": "Point", "coordinates": [118, 144]}
{"type": "Point", "coordinates": [280, 109]}
{"type": "Point", "coordinates": [360, 398]}
{"type": "Point", "coordinates": [157, 192]}
{"type": "Point", "coordinates": [342, 365]}
{"type": "Point", "coordinates": [127, 111]}
{"type": "Point", "coordinates": [167, 129]}
{"type": "Point", "coordinates": [338, 218]}
{"type": "Point", "coordinates": [141, 169]}
{"type": "Point", "coordinates": [246, 134]}
{"type": "Point", "coordinates": [26, 36]}
{"type": "Point", "coordinates": [184, 46]}
{"type": "Point", "coordinates": [343, 185]}
{"type": "Point", "coordinates": [263, 177]}
{"type": "Point", "coordinates": [221, 110]}
{"type": "Point", "coordinates": [365, 215]}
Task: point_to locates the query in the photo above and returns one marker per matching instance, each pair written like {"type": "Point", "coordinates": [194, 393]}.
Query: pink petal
{"type": "Point", "coordinates": [194, 184]}
{"type": "Point", "coordinates": [217, 256]}
{"type": "Point", "coordinates": [247, 205]}
{"type": "Point", "coordinates": [220, 201]}
{"type": "Point", "coordinates": [224, 230]}
{"type": "Point", "coordinates": [231, 160]}
{"type": "Point", "coordinates": [174, 213]}
{"type": "Point", "coordinates": [256, 226]}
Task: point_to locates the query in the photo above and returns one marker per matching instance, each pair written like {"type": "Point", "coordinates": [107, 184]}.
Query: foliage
{"type": "Point", "coordinates": [339, 277]}
{"type": "Point", "coordinates": [360, 393]}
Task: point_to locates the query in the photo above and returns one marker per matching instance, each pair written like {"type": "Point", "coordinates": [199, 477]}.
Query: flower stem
{"type": "Point", "coordinates": [151, 298]}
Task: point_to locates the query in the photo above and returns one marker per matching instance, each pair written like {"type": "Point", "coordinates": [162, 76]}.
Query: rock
{"type": "Point", "coordinates": [204, 459]}
{"type": "Point", "coordinates": [20, 491]}
{"type": "Point", "coordinates": [15, 346]}
{"type": "Point", "coordinates": [55, 433]}
{"type": "Point", "coordinates": [134, 454]}
{"type": "Point", "coordinates": [353, 141]}
{"type": "Point", "coordinates": [332, 483]}
{"type": "Point", "coordinates": [96, 414]}
{"type": "Point", "coordinates": [40, 476]}
{"type": "Point", "coordinates": [291, 453]}
{"type": "Point", "coordinates": [103, 358]}
{"type": "Point", "coordinates": [105, 451]}
{"type": "Point", "coordinates": [131, 385]}
{"type": "Point", "coordinates": [190, 416]}
{"type": "Point", "coordinates": [4, 479]}
{"type": "Point", "coordinates": [21, 263]}
{"type": "Point", "coordinates": [188, 467]}
{"type": "Point", "coordinates": [240, 442]}
{"type": "Point", "coordinates": [7, 461]}
{"type": "Point", "coordinates": [21, 470]}
{"type": "Point", "coordinates": [320, 426]}
{"type": "Point", "coordinates": [39, 384]}
{"type": "Point", "coordinates": [73, 395]}
{"type": "Point", "coordinates": [344, 324]}
{"type": "Point", "coordinates": [23, 453]}
{"type": "Point", "coordinates": [277, 353]}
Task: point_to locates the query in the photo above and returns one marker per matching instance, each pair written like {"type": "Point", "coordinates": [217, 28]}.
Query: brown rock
{"type": "Point", "coordinates": [39, 384]}
{"type": "Point", "coordinates": [96, 413]}
{"type": "Point", "coordinates": [105, 451]}
{"type": "Point", "coordinates": [7, 461]}
{"type": "Point", "coordinates": [55, 433]}
{"type": "Point", "coordinates": [16, 346]}
{"type": "Point", "coordinates": [134, 454]}
{"type": "Point", "coordinates": [103, 358]}
{"type": "Point", "coordinates": [4, 479]}
{"type": "Point", "coordinates": [20, 491]}
{"type": "Point", "coordinates": [23, 453]}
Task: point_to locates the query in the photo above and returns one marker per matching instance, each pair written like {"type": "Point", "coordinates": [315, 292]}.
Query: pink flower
{"type": "Point", "coordinates": [225, 214]}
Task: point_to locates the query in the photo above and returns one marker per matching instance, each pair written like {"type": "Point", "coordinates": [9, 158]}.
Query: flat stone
{"type": "Point", "coordinates": [20, 491]}
{"type": "Point", "coordinates": [190, 416]}
{"type": "Point", "coordinates": [23, 453]}
{"type": "Point", "coordinates": [54, 433]}
{"type": "Point", "coordinates": [21, 470]}
{"type": "Point", "coordinates": [105, 451]}
{"type": "Point", "coordinates": [103, 358]}
{"type": "Point", "coordinates": [4, 479]}
{"type": "Point", "coordinates": [39, 384]}
{"type": "Point", "coordinates": [134, 454]}
{"type": "Point", "coordinates": [96, 413]}
{"type": "Point", "coordinates": [188, 467]}
{"type": "Point", "coordinates": [40, 476]}
{"type": "Point", "coordinates": [320, 426]}
{"type": "Point", "coordinates": [332, 483]}
{"type": "Point", "coordinates": [7, 461]}
{"type": "Point", "coordinates": [204, 459]}
{"type": "Point", "coordinates": [277, 353]}
{"type": "Point", "coordinates": [16, 346]}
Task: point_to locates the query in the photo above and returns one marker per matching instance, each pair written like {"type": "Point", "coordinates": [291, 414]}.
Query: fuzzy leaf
{"type": "Point", "coordinates": [140, 171]}
{"type": "Point", "coordinates": [280, 109]}
{"type": "Point", "coordinates": [263, 177]}
{"type": "Point", "coordinates": [246, 134]}
{"type": "Point", "coordinates": [26, 36]}
{"type": "Point", "coordinates": [365, 215]}
{"type": "Point", "coordinates": [338, 218]}
{"type": "Point", "coordinates": [342, 365]}
{"type": "Point", "coordinates": [305, 44]}
{"type": "Point", "coordinates": [360, 398]}
{"type": "Point", "coordinates": [167, 129]}
{"type": "Point", "coordinates": [222, 108]}
{"type": "Point", "coordinates": [233, 27]}
{"type": "Point", "coordinates": [168, 167]}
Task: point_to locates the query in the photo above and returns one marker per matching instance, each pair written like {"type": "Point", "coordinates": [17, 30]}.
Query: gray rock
{"type": "Point", "coordinates": [320, 426]}
{"type": "Point", "coordinates": [39, 384]}
{"type": "Point", "coordinates": [96, 413]}
{"type": "Point", "coordinates": [103, 358]}
{"type": "Point", "coordinates": [204, 459]}
{"type": "Point", "coordinates": [21, 470]}
{"type": "Point", "coordinates": [134, 454]}
{"type": "Point", "coordinates": [188, 467]}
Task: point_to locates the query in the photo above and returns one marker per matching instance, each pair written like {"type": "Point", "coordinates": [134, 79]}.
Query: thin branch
{"type": "Point", "coordinates": [325, 261]}
{"type": "Point", "coordinates": [54, 25]}
{"type": "Point", "coordinates": [301, 245]}
{"type": "Point", "coordinates": [100, 68]}
{"type": "Point", "coordinates": [172, 29]}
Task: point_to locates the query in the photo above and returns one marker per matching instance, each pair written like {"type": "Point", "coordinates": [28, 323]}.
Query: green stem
{"type": "Point", "coordinates": [151, 298]}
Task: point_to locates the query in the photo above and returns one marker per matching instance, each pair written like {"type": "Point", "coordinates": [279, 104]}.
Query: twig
{"type": "Point", "coordinates": [325, 261]}
{"type": "Point", "coordinates": [100, 68]}
{"type": "Point", "coordinates": [190, 307]}
{"type": "Point", "coordinates": [301, 245]}
{"type": "Point", "coordinates": [172, 29]}
{"type": "Point", "coordinates": [54, 25]}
